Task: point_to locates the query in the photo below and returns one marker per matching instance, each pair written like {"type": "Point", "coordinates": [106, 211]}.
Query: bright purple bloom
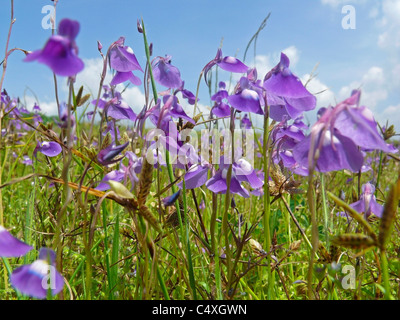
{"type": "Point", "coordinates": [286, 95]}
{"type": "Point", "coordinates": [227, 63]}
{"type": "Point", "coordinates": [337, 135]}
{"type": "Point", "coordinates": [48, 148]}
{"type": "Point", "coordinates": [242, 171]}
{"type": "Point", "coordinates": [115, 107]}
{"type": "Point", "coordinates": [165, 73]}
{"type": "Point", "coordinates": [367, 204]}
{"type": "Point", "coordinates": [221, 109]}
{"type": "Point", "coordinates": [123, 60]}
{"type": "Point", "coordinates": [60, 51]}
{"type": "Point", "coordinates": [11, 246]}
{"type": "Point", "coordinates": [248, 96]}
{"type": "Point", "coordinates": [107, 155]}
{"type": "Point", "coordinates": [37, 278]}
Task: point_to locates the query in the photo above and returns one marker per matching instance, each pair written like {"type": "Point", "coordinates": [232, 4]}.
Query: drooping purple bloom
{"type": "Point", "coordinates": [165, 73]}
{"type": "Point", "coordinates": [221, 109]}
{"type": "Point", "coordinates": [115, 107]}
{"type": "Point", "coordinates": [36, 279]}
{"type": "Point", "coordinates": [170, 200]}
{"type": "Point", "coordinates": [11, 246]}
{"type": "Point", "coordinates": [123, 60]}
{"type": "Point", "coordinates": [63, 123]}
{"type": "Point", "coordinates": [242, 171]}
{"type": "Point", "coordinates": [248, 96]}
{"type": "Point", "coordinates": [227, 63]}
{"type": "Point", "coordinates": [335, 151]}
{"type": "Point", "coordinates": [48, 148]}
{"type": "Point", "coordinates": [367, 204]}
{"type": "Point", "coordinates": [286, 95]}
{"type": "Point", "coordinates": [60, 51]}
{"type": "Point", "coordinates": [108, 155]}
{"type": "Point", "coordinates": [337, 135]}
{"type": "Point", "coordinates": [245, 122]}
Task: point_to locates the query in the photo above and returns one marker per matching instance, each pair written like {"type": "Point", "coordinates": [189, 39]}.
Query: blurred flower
{"type": "Point", "coordinates": [107, 155]}
{"type": "Point", "coordinates": [11, 246]}
{"type": "Point", "coordinates": [60, 51]}
{"type": "Point", "coordinates": [367, 204]}
{"type": "Point", "coordinates": [48, 148]}
{"type": "Point", "coordinates": [37, 278]}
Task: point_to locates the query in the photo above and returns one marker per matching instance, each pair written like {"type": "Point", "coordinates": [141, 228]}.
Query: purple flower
{"type": "Point", "coordinates": [367, 204]}
{"type": "Point", "coordinates": [337, 135]}
{"type": "Point", "coordinates": [116, 175]}
{"type": "Point", "coordinates": [27, 161]}
{"type": "Point", "coordinates": [221, 109]}
{"type": "Point", "coordinates": [335, 151]}
{"type": "Point", "coordinates": [63, 123]}
{"type": "Point", "coordinates": [115, 107]}
{"type": "Point", "coordinates": [227, 63]}
{"type": "Point", "coordinates": [37, 278]}
{"type": "Point", "coordinates": [170, 200]}
{"type": "Point", "coordinates": [165, 73]}
{"type": "Point", "coordinates": [248, 95]}
{"type": "Point", "coordinates": [60, 51]}
{"type": "Point", "coordinates": [245, 122]}
{"type": "Point", "coordinates": [242, 171]}
{"type": "Point", "coordinates": [286, 95]}
{"type": "Point", "coordinates": [48, 148]}
{"type": "Point", "coordinates": [107, 155]}
{"type": "Point", "coordinates": [11, 246]}
{"type": "Point", "coordinates": [123, 60]}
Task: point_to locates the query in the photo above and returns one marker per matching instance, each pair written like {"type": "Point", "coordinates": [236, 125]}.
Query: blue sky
{"type": "Point", "coordinates": [309, 31]}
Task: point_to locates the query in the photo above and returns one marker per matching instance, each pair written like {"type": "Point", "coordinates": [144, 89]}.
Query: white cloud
{"type": "Point", "coordinates": [390, 114]}
{"type": "Point", "coordinates": [325, 96]}
{"type": "Point", "coordinates": [373, 86]}
{"type": "Point", "coordinates": [47, 107]}
{"type": "Point", "coordinates": [337, 3]}
{"type": "Point", "coordinates": [293, 54]}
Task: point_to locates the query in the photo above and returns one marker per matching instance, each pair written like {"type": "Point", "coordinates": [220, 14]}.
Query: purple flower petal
{"type": "Point", "coordinates": [166, 74]}
{"type": "Point", "coordinates": [59, 56]}
{"type": "Point", "coordinates": [48, 148]}
{"type": "Point", "coordinates": [11, 246]}
{"type": "Point", "coordinates": [35, 279]}
{"type": "Point", "coordinates": [107, 155]}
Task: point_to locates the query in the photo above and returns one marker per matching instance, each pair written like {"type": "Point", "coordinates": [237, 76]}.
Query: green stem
{"type": "Point", "coordinates": [385, 275]}
{"type": "Point", "coordinates": [267, 207]}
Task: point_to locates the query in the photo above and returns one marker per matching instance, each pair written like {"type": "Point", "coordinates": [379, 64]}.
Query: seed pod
{"type": "Point", "coordinates": [354, 241]}
{"type": "Point", "coordinates": [256, 247]}
{"type": "Point", "coordinates": [120, 190]}
{"type": "Point", "coordinates": [145, 180]}
{"type": "Point", "coordinates": [294, 246]}
{"type": "Point", "coordinates": [388, 215]}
